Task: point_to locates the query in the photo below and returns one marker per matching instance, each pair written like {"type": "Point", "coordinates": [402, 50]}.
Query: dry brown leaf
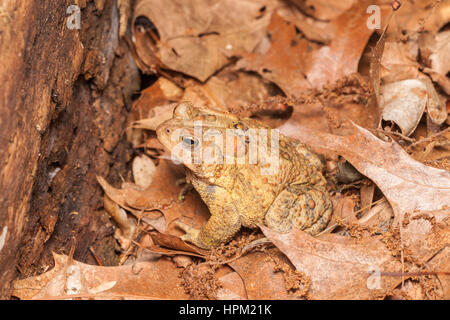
{"type": "Point", "coordinates": [314, 30]}
{"type": "Point", "coordinates": [379, 215]}
{"type": "Point", "coordinates": [404, 102]}
{"type": "Point", "coordinates": [341, 57]}
{"type": "Point", "coordinates": [375, 57]}
{"type": "Point", "coordinates": [399, 61]}
{"type": "Point", "coordinates": [175, 243]}
{"type": "Point", "coordinates": [232, 287]}
{"type": "Point", "coordinates": [143, 170]}
{"type": "Point", "coordinates": [261, 281]}
{"type": "Point", "coordinates": [407, 184]}
{"type": "Point", "coordinates": [324, 9]}
{"type": "Point", "coordinates": [440, 263]}
{"type": "Point", "coordinates": [436, 109]}
{"type": "Point", "coordinates": [284, 61]}
{"type": "Point", "coordinates": [162, 195]}
{"type": "Point", "coordinates": [440, 53]}
{"type": "Point", "coordinates": [427, 233]}
{"type": "Point", "coordinates": [234, 90]}
{"type": "Point", "coordinates": [199, 95]}
{"type": "Point", "coordinates": [199, 37]}
{"type": "Point", "coordinates": [126, 230]}
{"type": "Point", "coordinates": [229, 90]}
{"type": "Point", "coordinates": [156, 116]}
{"type": "Point", "coordinates": [366, 194]}
{"type": "Point", "coordinates": [169, 252]}
{"type": "Point", "coordinates": [339, 268]}
{"type": "Point", "coordinates": [417, 16]}
{"type": "Point", "coordinates": [162, 92]}
{"type": "Point", "coordinates": [343, 209]}
{"type": "Point", "coordinates": [70, 279]}
{"type": "Point", "coordinates": [153, 145]}
{"type": "Point", "coordinates": [332, 108]}
{"type": "Point", "coordinates": [434, 52]}
{"type": "Point", "coordinates": [312, 116]}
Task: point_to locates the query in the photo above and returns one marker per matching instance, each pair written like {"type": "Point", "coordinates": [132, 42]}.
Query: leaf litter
{"type": "Point", "coordinates": [300, 70]}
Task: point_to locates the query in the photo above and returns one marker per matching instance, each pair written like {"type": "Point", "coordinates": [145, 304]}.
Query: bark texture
{"type": "Point", "coordinates": [63, 104]}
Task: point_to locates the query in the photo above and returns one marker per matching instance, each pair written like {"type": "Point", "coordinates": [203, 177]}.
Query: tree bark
{"type": "Point", "coordinates": [63, 104]}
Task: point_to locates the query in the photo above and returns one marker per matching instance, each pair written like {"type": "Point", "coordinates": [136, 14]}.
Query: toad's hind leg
{"type": "Point", "coordinates": [307, 209]}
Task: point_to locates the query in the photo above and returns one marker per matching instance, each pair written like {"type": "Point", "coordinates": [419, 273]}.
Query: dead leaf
{"type": "Point", "coordinates": [436, 109]}
{"type": "Point", "coordinates": [234, 90]}
{"type": "Point", "coordinates": [418, 16]}
{"type": "Point", "coordinates": [73, 279]}
{"type": "Point", "coordinates": [126, 230]}
{"type": "Point", "coordinates": [399, 61]}
{"type": "Point", "coordinates": [440, 263]}
{"type": "Point", "coordinates": [335, 111]}
{"type": "Point", "coordinates": [341, 57]}
{"type": "Point", "coordinates": [200, 32]}
{"type": "Point", "coordinates": [161, 195]}
{"type": "Point", "coordinates": [407, 184]}
{"type": "Point", "coordinates": [440, 53]}
{"type": "Point", "coordinates": [284, 61]}
{"type": "Point", "coordinates": [232, 287]}
{"type": "Point", "coordinates": [156, 116]}
{"type": "Point", "coordinates": [427, 233]}
{"type": "Point", "coordinates": [313, 29]}
{"type": "Point", "coordinates": [379, 215]}
{"type": "Point", "coordinates": [261, 281]}
{"type": "Point", "coordinates": [323, 9]}
{"type": "Point", "coordinates": [311, 116]}
{"type": "Point", "coordinates": [143, 170]}
{"type": "Point", "coordinates": [175, 243]}
{"type": "Point", "coordinates": [404, 102]}
{"type": "Point", "coordinates": [366, 194]}
{"type": "Point", "coordinates": [162, 92]}
{"type": "Point", "coordinates": [343, 209]}
{"type": "Point", "coordinates": [229, 90]}
{"type": "Point", "coordinates": [339, 268]}
{"type": "Point", "coordinates": [375, 70]}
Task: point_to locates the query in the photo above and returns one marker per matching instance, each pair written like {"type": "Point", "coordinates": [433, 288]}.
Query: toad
{"type": "Point", "coordinates": [229, 164]}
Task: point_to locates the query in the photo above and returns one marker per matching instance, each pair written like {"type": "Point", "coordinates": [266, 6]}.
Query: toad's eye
{"type": "Point", "coordinates": [240, 126]}
{"type": "Point", "coordinates": [189, 141]}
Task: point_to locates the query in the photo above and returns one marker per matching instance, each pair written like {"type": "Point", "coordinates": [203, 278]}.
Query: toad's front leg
{"type": "Point", "coordinates": [223, 223]}
{"type": "Point", "coordinates": [216, 231]}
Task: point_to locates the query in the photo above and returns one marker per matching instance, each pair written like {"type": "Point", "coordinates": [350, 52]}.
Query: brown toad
{"type": "Point", "coordinates": [281, 188]}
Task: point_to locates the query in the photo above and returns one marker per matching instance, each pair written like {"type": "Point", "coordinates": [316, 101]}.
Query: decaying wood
{"type": "Point", "coordinates": [62, 113]}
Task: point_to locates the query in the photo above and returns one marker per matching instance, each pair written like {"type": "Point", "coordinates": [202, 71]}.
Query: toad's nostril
{"type": "Point", "coordinates": [168, 130]}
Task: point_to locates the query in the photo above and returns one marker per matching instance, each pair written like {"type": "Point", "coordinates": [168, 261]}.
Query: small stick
{"type": "Point", "coordinates": [395, 133]}
{"type": "Point", "coordinates": [428, 138]}
{"type": "Point", "coordinates": [95, 256]}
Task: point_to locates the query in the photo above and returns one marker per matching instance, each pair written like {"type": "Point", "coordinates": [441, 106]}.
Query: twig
{"type": "Point", "coordinates": [246, 249]}
{"type": "Point", "coordinates": [395, 133]}
{"type": "Point", "coordinates": [428, 138]}
{"type": "Point", "coordinates": [95, 256]}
